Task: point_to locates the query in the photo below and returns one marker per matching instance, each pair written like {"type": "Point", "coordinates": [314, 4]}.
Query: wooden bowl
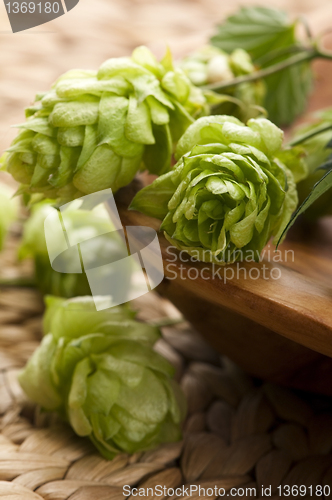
{"type": "Point", "coordinates": [274, 319]}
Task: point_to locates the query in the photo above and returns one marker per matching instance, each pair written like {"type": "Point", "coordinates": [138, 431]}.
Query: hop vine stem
{"type": "Point", "coordinates": [308, 54]}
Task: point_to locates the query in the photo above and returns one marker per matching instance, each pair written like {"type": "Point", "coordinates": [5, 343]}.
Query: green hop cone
{"type": "Point", "coordinates": [211, 65]}
{"type": "Point", "coordinates": [95, 130]}
{"type": "Point", "coordinates": [100, 372]}
{"type": "Point", "coordinates": [228, 192]}
{"type": "Point", "coordinates": [318, 152]}
{"type": "Point", "coordinates": [83, 225]}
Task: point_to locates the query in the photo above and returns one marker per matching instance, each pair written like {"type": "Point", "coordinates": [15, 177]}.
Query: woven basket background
{"type": "Point", "coordinates": [239, 432]}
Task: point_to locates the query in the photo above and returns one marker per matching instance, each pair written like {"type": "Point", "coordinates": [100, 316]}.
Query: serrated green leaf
{"type": "Point", "coordinates": [257, 30]}
{"type": "Point", "coordinates": [287, 93]}
{"type": "Point", "coordinates": [262, 31]}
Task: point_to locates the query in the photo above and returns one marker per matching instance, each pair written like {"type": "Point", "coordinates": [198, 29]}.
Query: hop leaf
{"type": "Point", "coordinates": [95, 130]}
{"type": "Point", "coordinates": [228, 191]}
{"type": "Point", "coordinates": [263, 31]}
{"type": "Point", "coordinates": [104, 377]}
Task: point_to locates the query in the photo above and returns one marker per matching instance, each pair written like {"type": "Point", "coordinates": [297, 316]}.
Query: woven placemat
{"type": "Point", "coordinates": [239, 432]}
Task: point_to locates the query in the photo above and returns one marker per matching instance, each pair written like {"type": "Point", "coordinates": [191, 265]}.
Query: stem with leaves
{"type": "Point", "coordinates": [307, 54]}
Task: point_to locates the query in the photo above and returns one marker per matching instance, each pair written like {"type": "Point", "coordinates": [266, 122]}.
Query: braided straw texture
{"type": "Point", "coordinates": [238, 431]}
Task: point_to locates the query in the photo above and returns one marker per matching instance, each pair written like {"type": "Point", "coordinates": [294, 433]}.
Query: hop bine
{"type": "Point", "coordinates": [230, 191]}
{"type": "Point", "coordinates": [99, 371]}
{"type": "Point", "coordinates": [95, 130]}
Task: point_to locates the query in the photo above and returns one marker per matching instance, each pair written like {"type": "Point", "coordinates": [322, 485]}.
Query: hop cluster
{"type": "Point", "coordinates": [95, 130]}
{"type": "Point", "coordinates": [228, 192]}
{"type": "Point", "coordinates": [99, 371]}
{"type": "Point", "coordinates": [212, 65]}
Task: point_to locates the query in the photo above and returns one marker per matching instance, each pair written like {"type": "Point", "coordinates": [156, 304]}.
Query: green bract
{"type": "Point", "coordinates": [8, 210]}
{"type": "Point", "coordinates": [228, 192]}
{"type": "Point", "coordinates": [83, 225]}
{"type": "Point", "coordinates": [95, 130]}
{"type": "Point", "coordinates": [319, 152]}
{"type": "Point", "coordinates": [211, 65]}
{"type": "Point", "coordinates": [99, 371]}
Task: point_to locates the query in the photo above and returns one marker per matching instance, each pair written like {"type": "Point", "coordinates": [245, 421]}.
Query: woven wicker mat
{"type": "Point", "coordinates": [239, 432]}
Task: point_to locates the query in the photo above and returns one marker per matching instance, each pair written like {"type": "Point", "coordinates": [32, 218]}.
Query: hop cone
{"type": "Point", "coordinates": [99, 371]}
{"type": "Point", "coordinates": [318, 151]}
{"type": "Point", "coordinates": [95, 130]}
{"type": "Point", "coordinates": [228, 192]}
{"type": "Point", "coordinates": [84, 225]}
{"type": "Point", "coordinates": [211, 65]}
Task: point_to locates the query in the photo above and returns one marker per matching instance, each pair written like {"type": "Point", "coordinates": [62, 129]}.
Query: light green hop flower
{"type": "Point", "coordinates": [100, 372]}
{"type": "Point", "coordinates": [228, 191]}
{"type": "Point", "coordinates": [83, 225]}
{"type": "Point", "coordinates": [95, 129]}
{"type": "Point", "coordinates": [318, 151]}
{"type": "Point", "coordinates": [211, 65]}
{"type": "Point", "coordinates": [8, 210]}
